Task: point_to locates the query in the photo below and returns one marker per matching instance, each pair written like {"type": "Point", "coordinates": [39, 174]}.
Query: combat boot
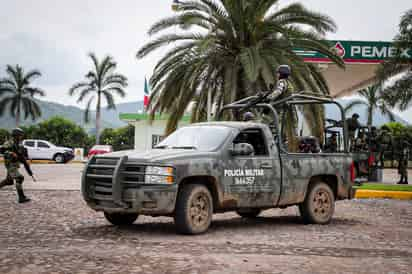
{"type": "Point", "coordinates": [20, 193]}
{"type": "Point", "coordinates": [21, 197]}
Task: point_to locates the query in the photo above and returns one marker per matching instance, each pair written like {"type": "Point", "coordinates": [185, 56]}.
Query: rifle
{"type": "Point", "coordinates": [261, 97]}
{"type": "Point", "coordinates": [257, 100]}
{"type": "Point", "coordinates": [333, 123]}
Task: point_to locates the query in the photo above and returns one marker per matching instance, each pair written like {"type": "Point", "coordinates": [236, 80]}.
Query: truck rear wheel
{"type": "Point", "coordinates": [319, 204]}
{"type": "Point", "coordinates": [249, 213]}
{"type": "Point", "coordinates": [194, 209]}
{"type": "Point", "coordinates": [121, 218]}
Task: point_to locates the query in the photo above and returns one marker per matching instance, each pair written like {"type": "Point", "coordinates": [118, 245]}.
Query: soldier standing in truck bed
{"type": "Point", "coordinates": [353, 125]}
{"type": "Point", "coordinates": [287, 114]}
{"type": "Point", "coordinates": [385, 143]}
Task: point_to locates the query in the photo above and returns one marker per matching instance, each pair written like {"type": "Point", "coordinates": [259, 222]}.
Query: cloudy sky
{"type": "Point", "coordinates": [55, 36]}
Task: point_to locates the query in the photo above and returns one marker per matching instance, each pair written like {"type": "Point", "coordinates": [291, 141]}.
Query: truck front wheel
{"type": "Point", "coordinates": [194, 209]}
{"type": "Point", "coordinates": [319, 204]}
{"type": "Point", "coordinates": [59, 158]}
{"type": "Point", "coordinates": [121, 218]}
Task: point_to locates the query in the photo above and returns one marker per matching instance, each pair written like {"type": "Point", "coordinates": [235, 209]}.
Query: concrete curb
{"type": "Point", "coordinates": [378, 194]}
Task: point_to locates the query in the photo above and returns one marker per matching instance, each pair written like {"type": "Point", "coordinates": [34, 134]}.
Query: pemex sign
{"type": "Point", "coordinates": [357, 52]}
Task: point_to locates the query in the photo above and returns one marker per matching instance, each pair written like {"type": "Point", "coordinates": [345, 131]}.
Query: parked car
{"type": "Point", "coordinates": [44, 150]}
{"type": "Point", "coordinates": [99, 149]}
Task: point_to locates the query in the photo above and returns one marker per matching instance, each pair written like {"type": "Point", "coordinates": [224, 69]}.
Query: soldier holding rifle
{"type": "Point", "coordinates": [14, 154]}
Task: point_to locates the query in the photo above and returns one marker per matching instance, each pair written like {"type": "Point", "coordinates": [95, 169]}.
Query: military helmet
{"type": "Point", "coordinates": [17, 132]}
{"type": "Point", "coordinates": [284, 70]}
{"type": "Point", "coordinates": [248, 116]}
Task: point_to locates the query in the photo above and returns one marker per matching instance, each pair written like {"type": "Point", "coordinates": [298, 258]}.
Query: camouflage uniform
{"type": "Point", "coordinates": [287, 114]}
{"type": "Point", "coordinates": [352, 124]}
{"type": "Point", "coordinates": [284, 89]}
{"type": "Point", "coordinates": [11, 149]}
{"type": "Point", "coordinates": [384, 144]}
{"type": "Point", "coordinates": [331, 145]}
{"type": "Point", "coordinates": [403, 163]}
{"type": "Point", "coordinates": [360, 143]}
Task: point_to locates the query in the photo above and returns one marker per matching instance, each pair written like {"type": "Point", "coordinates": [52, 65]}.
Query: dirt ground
{"type": "Point", "coordinates": [58, 233]}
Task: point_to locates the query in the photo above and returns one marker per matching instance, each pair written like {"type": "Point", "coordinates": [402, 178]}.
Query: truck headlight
{"type": "Point", "coordinates": [159, 175]}
{"type": "Point", "coordinates": [159, 170]}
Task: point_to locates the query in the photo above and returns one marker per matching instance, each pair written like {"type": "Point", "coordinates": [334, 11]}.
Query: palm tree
{"type": "Point", "coordinates": [399, 94]}
{"type": "Point", "coordinates": [16, 91]}
{"type": "Point", "coordinates": [100, 82]}
{"type": "Point", "coordinates": [232, 47]}
{"type": "Point", "coordinates": [373, 100]}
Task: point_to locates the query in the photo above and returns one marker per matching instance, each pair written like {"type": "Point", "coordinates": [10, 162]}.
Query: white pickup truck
{"type": "Point", "coordinates": [44, 150]}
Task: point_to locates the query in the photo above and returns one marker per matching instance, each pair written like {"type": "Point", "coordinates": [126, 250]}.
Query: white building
{"type": "Point", "coordinates": [147, 135]}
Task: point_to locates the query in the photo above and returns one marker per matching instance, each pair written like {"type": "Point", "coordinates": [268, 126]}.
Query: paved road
{"type": "Point", "coordinates": [52, 176]}
{"type": "Point", "coordinates": [57, 233]}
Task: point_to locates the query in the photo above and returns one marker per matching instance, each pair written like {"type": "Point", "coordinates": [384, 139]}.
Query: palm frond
{"type": "Point", "coordinates": [31, 75]}
{"type": "Point", "coordinates": [117, 90]}
{"type": "Point", "coordinates": [85, 92]}
{"type": "Point", "coordinates": [353, 104]}
{"type": "Point", "coordinates": [9, 83]}
{"type": "Point", "coordinates": [78, 86]}
{"type": "Point", "coordinates": [109, 99]}
{"type": "Point", "coordinates": [4, 102]}
{"type": "Point", "coordinates": [87, 110]}
{"type": "Point", "coordinates": [34, 91]}
{"type": "Point", "coordinates": [251, 62]}
{"type": "Point", "coordinates": [165, 40]}
{"type": "Point", "coordinates": [6, 90]}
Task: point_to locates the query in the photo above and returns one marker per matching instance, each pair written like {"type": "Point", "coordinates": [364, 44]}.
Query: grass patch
{"type": "Point", "coordinates": [385, 187]}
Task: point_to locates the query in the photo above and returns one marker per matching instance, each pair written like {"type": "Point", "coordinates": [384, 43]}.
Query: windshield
{"type": "Point", "coordinates": [202, 138]}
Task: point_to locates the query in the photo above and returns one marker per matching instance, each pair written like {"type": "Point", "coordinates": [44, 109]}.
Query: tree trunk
{"type": "Point", "coordinates": [98, 119]}
{"type": "Point", "coordinates": [370, 115]}
{"type": "Point", "coordinates": [18, 111]}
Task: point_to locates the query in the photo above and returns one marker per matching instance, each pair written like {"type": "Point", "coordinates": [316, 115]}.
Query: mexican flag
{"type": "Point", "coordinates": [146, 99]}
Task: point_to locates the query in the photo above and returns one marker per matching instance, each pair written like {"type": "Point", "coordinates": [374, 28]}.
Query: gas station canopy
{"type": "Point", "coordinates": [361, 58]}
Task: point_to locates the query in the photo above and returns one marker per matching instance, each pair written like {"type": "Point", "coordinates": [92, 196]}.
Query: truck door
{"type": "Point", "coordinates": [254, 180]}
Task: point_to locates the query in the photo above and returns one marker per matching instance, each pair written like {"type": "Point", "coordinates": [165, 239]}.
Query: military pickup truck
{"type": "Point", "coordinates": [206, 168]}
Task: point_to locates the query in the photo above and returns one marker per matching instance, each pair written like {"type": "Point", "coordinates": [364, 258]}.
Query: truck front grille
{"type": "Point", "coordinates": [100, 182]}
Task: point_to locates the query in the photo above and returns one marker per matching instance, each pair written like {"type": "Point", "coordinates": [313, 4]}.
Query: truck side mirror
{"type": "Point", "coordinates": [242, 149]}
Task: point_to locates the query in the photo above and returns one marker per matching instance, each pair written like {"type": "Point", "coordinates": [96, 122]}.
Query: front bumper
{"type": "Point", "coordinates": [68, 156]}
{"type": "Point", "coordinates": [116, 185]}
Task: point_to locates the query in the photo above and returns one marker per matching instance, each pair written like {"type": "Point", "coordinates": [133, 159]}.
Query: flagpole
{"type": "Point", "coordinates": [145, 108]}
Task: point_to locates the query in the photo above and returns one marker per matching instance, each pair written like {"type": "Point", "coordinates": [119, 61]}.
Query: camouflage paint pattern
{"type": "Point", "coordinates": [276, 179]}
{"type": "Point", "coordinates": [12, 164]}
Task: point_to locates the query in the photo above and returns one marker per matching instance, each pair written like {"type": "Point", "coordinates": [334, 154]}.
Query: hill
{"type": "Point", "coordinates": [112, 116]}
{"type": "Point", "coordinates": [50, 109]}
